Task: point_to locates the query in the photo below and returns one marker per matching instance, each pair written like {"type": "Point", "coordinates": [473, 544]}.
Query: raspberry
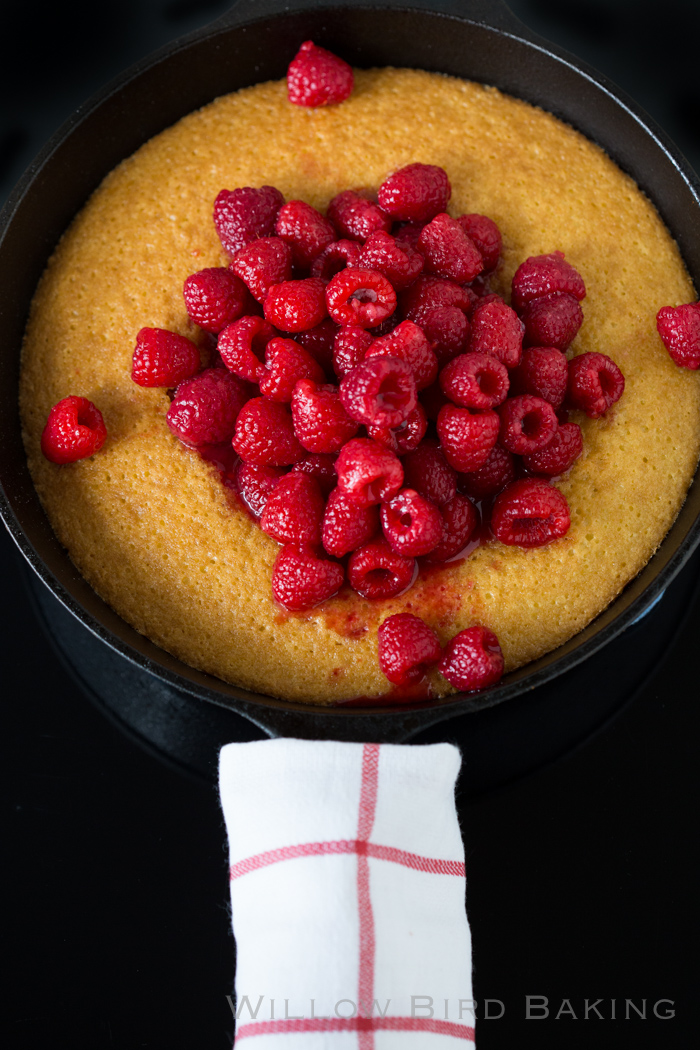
{"type": "Point", "coordinates": [595, 383]}
{"type": "Point", "coordinates": [243, 215]}
{"type": "Point", "coordinates": [497, 330]}
{"type": "Point", "coordinates": [448, 251]}
{"type": "Point", "coordinates": [321, 466]}
{"type": "Point", "coordinates": [296, 306]}
{"type": "Point", "coordinates": [317, 77]}
{"type": "Point", "coordinates": [255, 485]}
{"type": "Point", "coordinates": [475, 381]}
{"type": "Point", "coordinates": [286, 362]}
{"type": "Point", "coordinates": [459, 518]}
{"type": "Point", "coordinates": [74, 430]}
{"type": "Point", "coordinates": [679, 328]}
{"type": "Point", "coordinates": [305, 231]}
{"type": "Point", "coordinates": [294, 510]}
{"type": "Point", "coordinates": [473, 660]}
{"type": "Point", "coordinates": [493, 476]}
{"type": "Point", "coordinates": [405, 437]}
{"type": "Point", "coordinates": [543, 371]}
{"type": "Point", "coordinates": [242, 345]}
{"type": "Point", "coordinates": [346, 525]}
{"type": "Point", "coordinates": [417, 192]}
{"type": "Point", "coordinates": [319, 341]}
{"type": "Point", "coordinates": [205, 409]}
{"type": "Point", "coordinates": [412, 525]}
{"type": "Point", "coordinates": [560, 454]}
{"type": "Point", "coordinates": [427, 471]}
{"type": "Point", "coordinates": [408, 233]}
{"type": "Point", "coordinates": [356, 217]}
{"type": "Point", "coordinates": [351, 344]}
{"type": "Point", "coordinates": [466, 438]}
{"type": "Point", "coordinates": [427, 293]}
{"type": "Point", "coordinates": [542, 275]}
{"type": "Point", "coordinates": [367, 472]}
{"type": "Point", "coordinates": [214, 298]}
{"type": "Point", "coordinates": [360, 297]}
{"type": "Point", "coordinates": [447, 330]}
{"type": "Point", "coordinates": [407, 647]}
{"type": "Point", "coordinates": [376, 571]}
{"type": "Point", "coordinates": [552, 321]}
{"type": "Point", "coordinates": [263, 263]}
{"type": "Point", "coordinates": [530, 513]}
{"type": "Point", "coordinates": [301, 578]}
{"type": "Point", "coordinates": [485, 235]}
{"type": "Point", "coordinates": [163, 358]}
{"type": "Point", "coordinates": [527, 424]}
{"type": "Point", "coordinates": [265, 435]}
{"type": "Point", "coordinates": [409, 343]}
{"type": "Point", "coordinates": [335, 257]}
{"type": "Point", "coordinates": [399, 262]}
{"type": "Point", "coordinates": [380, 391]}
{"type": "Point", "coordinates": [320, 421]}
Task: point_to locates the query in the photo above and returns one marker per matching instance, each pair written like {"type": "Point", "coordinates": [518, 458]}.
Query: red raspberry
{"type": "Point", "coordinates": [350, 346]}
{"type": "Point", "coordinates": [360, 297]}
{"type": "Point", "coordinates": [448, 251]}
{"type": "Point", "coordinates": [407, 647]}
{"type": "Point", "coordinates": [321, 466]}
{"type": "Point", "coordinates": [412, 525]}
{"type": "Point", "coordinates": [543, 372]}
{"type": "Point", "coordinates": [399, 262]}
{"type": "Point", "coordinates": [294, 510]}
{"type": "Point", "coordinates": [319, 341]}
{"type": "Point", "coordinates": [242, 345]}
{"type": "Point", "coordinates": [473, 660]}
{"type": "Point", "coordinates": [380, 391]}
{"type": "Point", "coordinates": [417, 192]}
{"type": "Point", "coordinates": [552, 321]}
{"type": "Point", "coordinates": [376, 571]}
{"type": "Point", "coordinates": [527, 424]}
{"type": "Point", "coordinates": [320, 421]}
{"type": "Point", "coordinates": [427, 471]}
{"type": "Point", "coordinates": [255, 485]}
{"type": "Point", "coordinates": [368, 472]}
{"type": "Point", "coordinates": [317, 77]}
{"type": "Point", "coordinates": [466, 438]}
{"type": "Point", "coordinates": [243, 215]}
{"type": "Point", "coordinates": [497, 472]}
{"type": "Point", "coordinates": [336, 257]}
{"type": "Point", "coordinates": [265, 434]}
{"type": "Point", "coordinates": [427, 293]}
{"type": "Point", "coordinates": [485, 235]}
{"type": "Point", "coordinates": [408, 233]}
{"type": "Point", "coordinates": [205, 409]}
{"type": "Point", "coordinates": [475, 381]}
{"type": "Point", "coordinates": [409, 343]}
{"type": "Point", "coordinates": [460, 519]}
{"type": "Point", "coordinates": [542, 275]}
{"type": "Point", "coordinates": [302, 579]}
{"type": "Point", "coordinates": [296, 306]}
{"type": "Point", "coordinates": [305, 231]}
{"type": "Point", "coordinates": [447, 330]}
{"type": "Point", "coordinates": [163, 358]}
{"type": "Point", "coordinates": [595, 383]}
{"type": "Point", "coordinates": [679, 328]}
{"type": "Point", "coordinates": [560, 454]}
{"type": "Point", "coordinates": [346, 525]}
{"type": "Point", "coordinates": [497, 330]}
{"type": "Point", "coordinates": [356, 217]}
{"type": "Point", "coordinates": [530, 513]}
{"type": "Point", "coordinates": [74, 429]}
{"type": "Point", "coordinates": [263, 263]}
{"type": "Point", "coordinates": [215, 297]}
{"type": "Point", "coordinates": [405, 437]}
{"type": "Point", "coordinates": [286, 362]}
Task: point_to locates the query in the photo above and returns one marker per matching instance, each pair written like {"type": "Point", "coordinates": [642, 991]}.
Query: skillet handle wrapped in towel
{"type": "Point", "coordinates": [347, 895]}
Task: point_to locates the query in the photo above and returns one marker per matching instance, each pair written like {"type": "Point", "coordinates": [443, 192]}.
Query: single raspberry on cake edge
{"type": "Point", "coordinates": [407, 648]}
{"type": "Point", "coordinates": [415, 193]}
{"type": "Point", "coordinates": [595, 383]}
{"type": "Point", "coordinates": [317, 77]}
{"type": "Point", "coordinates": [74, 430]}
{"type": "Point", "coordinates": [543, 275]}
{"type": "Point", "coordinates": [472, 660]}
{"type": "Point", "coordinates": [486, 236]}
{"type": "Point", "coordinates": [530, 513]}
{"type": "Point", "coordinates": [553, 320]}
{"type": "Point", "coordinates": [679, 328]}
{"type": "Point", "coordinates": [303, 578]}
{"type": "Point", "coordinates": [163, 358]}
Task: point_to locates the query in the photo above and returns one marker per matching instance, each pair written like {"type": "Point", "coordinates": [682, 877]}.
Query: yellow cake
{"type": "Point", "coordinates": [149, 523]}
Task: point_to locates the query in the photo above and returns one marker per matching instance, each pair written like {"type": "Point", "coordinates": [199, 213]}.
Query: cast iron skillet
{"type": "Point", "coordinates": [475, 39]}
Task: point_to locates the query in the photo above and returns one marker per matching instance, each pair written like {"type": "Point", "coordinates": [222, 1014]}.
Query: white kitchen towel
{"type": "Point", "coordinates": [347, 896]}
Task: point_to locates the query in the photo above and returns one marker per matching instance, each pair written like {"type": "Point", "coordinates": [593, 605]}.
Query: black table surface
{"type": "Point", "coordinates": [582, 877]}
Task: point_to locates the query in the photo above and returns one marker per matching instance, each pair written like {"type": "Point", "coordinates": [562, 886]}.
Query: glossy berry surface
{"type": "Point", "coordinates": [296, 306]}
{"type": "Point", "coordinates": [559, 455]}
{"type": "Point", "coordinates": [242, 346]}
{"type": "Point", "coordinates": [368, 472]}
{"type": "Point", "coordinates": [407, 647]}
{"type": "Point", "coordinates": [337, 256]}
{"type": "Point", "coordinates": [415, 193]}
{"type": "Point", "coordinates": [286, 362]}
{"type": "Point", "coordinates": [679, 328]}
{"type": "Point", "coordinates": [349, 348]}
{"type": "Point", "coordinates": [261, 264]}
{"type": "Point", "coordinates": [475, 381]}
{"type": "Point", "coordinates": [215, 297]}
{"type": "Point", "coordinates": [380, 391]}
{"type": "Point", "coordinates": [595, 383]}
{"type": "Point", "coordinates": [530, 513]}
{"type": "Point", "coordinates": [356, 217]}
{"type": "Point", "coordinates": [265, 434]}
{"type": "Point", "coordinates": [411, 524]}
{"type": "Point", "coordinates": [163, 358]}
{"type": "Point", "coordinates": [363, 298]}
{"type": "Point", "coordinates": [376, 571]}
{"type": "Point", "coordinates": [255, 485]}
{"type": "Point", "coordinates": [409, 343]}
{"type": "Point", "coordinates": [466, 438]}
{"type": "Point", "coordinates": [543, 275]}
{"type": "Point", "coordinates": [552, 321]}
{"type": "Point", "coordinates": [399, 262]}
{"type": "Point", "coordinates": [427, 471]}
{"type": "Point", "coordinates": [459, 520]}
{"type": "Point", "coordinates": [242, 215]}
{"type": "Point", "coordinates": [543, 371]}
{"type": "Point", "coordinates": [303, 578]}
{"type": "Point", "coordinates": [74, 430]}
{"type": "Point", "coordinates": [321, 466]}
{"type": "Point", "coordinates": [347, 525]}
{"type": "Point", "coordinates": [496, 472]}
{"type": "Point", "coordinates": [485, 234]}
{"type": "Point", "coordinates": [497, 330]}
{"type": "Point", "coordinates": [317, 77]}
{"type": "Point", "coordinates": [449, 251]}
{"type": "Point", "coordinates": [320, 420]}
{"type": "Point", "coordinates": [304, 230]}
{"type": "Point", "coordinates": [472, 660]}
{"type": "Point", "coordinates": [205, 409]}
{"type": "Point", "coordinates": [528, 423]}
{"type": "Point", "coordinates": [294, 510]}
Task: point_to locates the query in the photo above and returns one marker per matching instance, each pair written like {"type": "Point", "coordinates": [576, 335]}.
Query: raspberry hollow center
{"type": "Point", "coordinates": [365, 295]}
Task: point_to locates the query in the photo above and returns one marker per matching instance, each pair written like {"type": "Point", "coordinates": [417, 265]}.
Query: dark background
{"type": "Point", "coordinates": [582, 877]}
